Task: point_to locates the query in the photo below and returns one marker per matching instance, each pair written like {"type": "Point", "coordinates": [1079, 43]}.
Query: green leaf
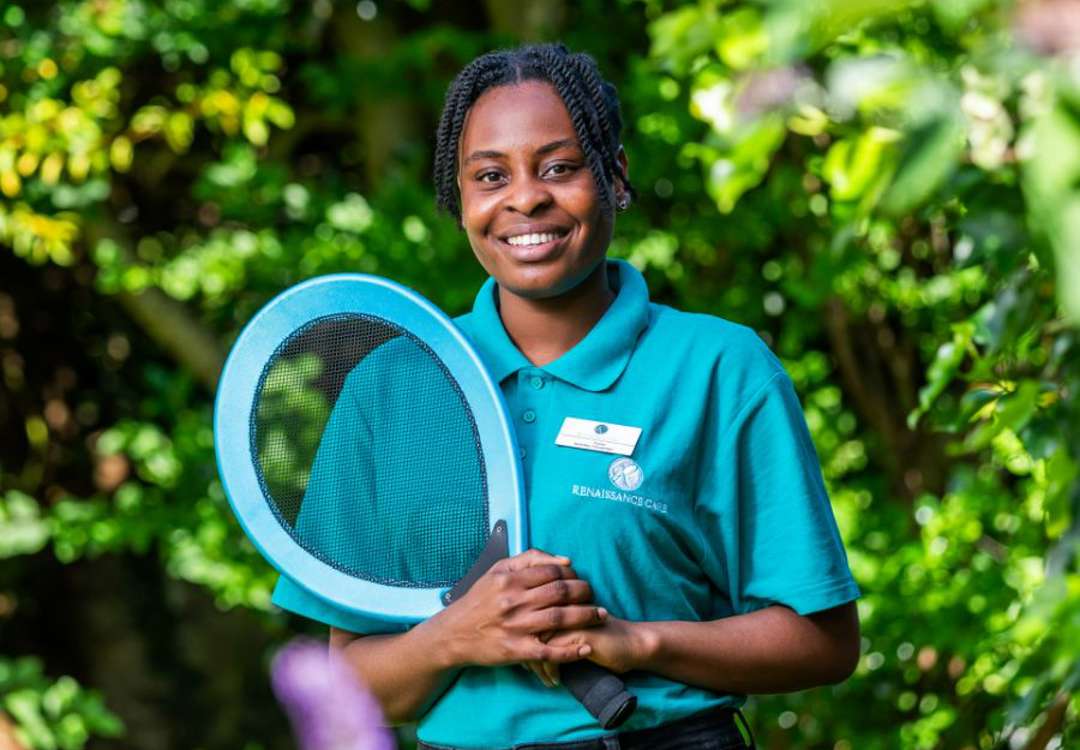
{"type": "Point", "coordinates": [23, 531]}
{"type": "Point", "coordinates": [25, 707]}
{"type": "Point", "coordinates": [929, 156]}
{"type": "Point", "coordinates": [741, 39]}
{"type": "Point", "coordinates": [743, 167]}
{"type": "Point", "coordinates": [853, 167]}
{"type": "Point", "coordinates": [942, 370]}
{"type": "Point", "coordinates": [953, 14]}
{"type": "Point", "coordinates": [1012, 413]}
{"type": "Point", "coordinates": [683, 35]}
{"type": "Point", "coordinates": [798, 28]}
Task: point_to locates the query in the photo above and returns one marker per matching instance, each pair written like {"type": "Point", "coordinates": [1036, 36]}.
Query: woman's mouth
{"type": "Point", "coordinates": [533, 248]}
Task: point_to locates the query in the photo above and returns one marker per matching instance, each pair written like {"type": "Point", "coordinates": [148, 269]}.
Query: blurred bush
{"type": "Point", "coordinates": [886, 191]}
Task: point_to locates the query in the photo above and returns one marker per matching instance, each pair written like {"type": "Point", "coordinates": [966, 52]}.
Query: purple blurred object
{"type": "Point", "coordinates": [770, 89]}
{"type": "Point", "coordinates": [1051, 27]}
{"type": "Point", "coordinates": [328, 705]}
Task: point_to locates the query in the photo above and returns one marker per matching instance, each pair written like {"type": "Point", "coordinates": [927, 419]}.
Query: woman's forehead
{"type": "Point", "coordinates": [524, 116]}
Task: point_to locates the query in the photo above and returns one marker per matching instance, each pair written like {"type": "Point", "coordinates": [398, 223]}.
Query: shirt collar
{"type": "Point", "coordinates": [595, 362]}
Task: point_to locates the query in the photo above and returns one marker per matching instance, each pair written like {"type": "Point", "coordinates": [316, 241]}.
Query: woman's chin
{"type": "Point", "coordinates": [541, 280]}
{"type": "Point", "coordinates": [532, 288]}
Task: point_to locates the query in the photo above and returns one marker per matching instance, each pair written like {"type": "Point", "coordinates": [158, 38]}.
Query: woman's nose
{"type": "Point", "coordinates": [528, 193]}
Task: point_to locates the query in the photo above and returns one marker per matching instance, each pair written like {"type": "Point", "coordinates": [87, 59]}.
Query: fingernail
{"type": "Point", "coordinates": [555, 681]}
{"type": "Point", "coordinates": [601, 612]}
{"type": "Point", "coordinates": [584, 651]}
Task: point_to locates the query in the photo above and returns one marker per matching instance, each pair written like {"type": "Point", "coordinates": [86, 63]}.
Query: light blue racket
{"type": "Point", "coordinates": [368, 454]}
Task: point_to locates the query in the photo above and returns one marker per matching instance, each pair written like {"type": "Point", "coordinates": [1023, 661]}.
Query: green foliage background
{"type": "Point", "coordinates": [889, 192]}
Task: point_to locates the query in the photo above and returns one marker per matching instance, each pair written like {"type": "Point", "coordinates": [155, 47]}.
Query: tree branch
{"type": "Point", "coordinates": [174, 329]}
{"type": "Point", "coordinates": [168, 322]}
{"type": "Point", "coordinates": [1055, 718]}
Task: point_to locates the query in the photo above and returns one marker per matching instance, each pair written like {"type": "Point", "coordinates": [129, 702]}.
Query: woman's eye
{"type": "Point", "coordinates": [481, 177]}
{"type": "Point", "coordinates": [566, 168]}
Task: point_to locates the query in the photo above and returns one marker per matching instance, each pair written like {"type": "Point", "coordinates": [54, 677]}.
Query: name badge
{"type": "Point", "coordinates": [605, 437]}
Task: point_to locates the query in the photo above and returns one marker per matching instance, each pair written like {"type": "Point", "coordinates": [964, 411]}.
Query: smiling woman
{"type": "Point", "coordinates": [557, 228]}
{"type": "Point", "coordinates": [685, 540]}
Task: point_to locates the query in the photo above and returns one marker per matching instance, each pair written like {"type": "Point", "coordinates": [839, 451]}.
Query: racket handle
{"type": "Point", "coordinates": [601, 692]}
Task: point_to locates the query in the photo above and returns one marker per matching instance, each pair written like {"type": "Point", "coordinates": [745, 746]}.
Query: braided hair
{"type": "Point", "coordinates": [592, 102]}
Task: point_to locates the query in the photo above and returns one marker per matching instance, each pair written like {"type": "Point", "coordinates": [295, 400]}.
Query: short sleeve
{"type": "Point", "coordinates": [769, 534]}
{"type": "Point", "coordinates": [339, 473]}
{"type": "Point", "coordinates": [291, 596]}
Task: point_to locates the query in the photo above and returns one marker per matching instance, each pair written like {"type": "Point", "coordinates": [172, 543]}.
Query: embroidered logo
{"type": "Point", "coordinates": [625, 474]}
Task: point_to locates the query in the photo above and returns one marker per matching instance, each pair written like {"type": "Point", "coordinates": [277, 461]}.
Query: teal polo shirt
{"type": "Point", "coordinates": [720, 508]}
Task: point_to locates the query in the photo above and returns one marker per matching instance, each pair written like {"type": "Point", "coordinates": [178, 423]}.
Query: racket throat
{"type": "Point", "coordinates": [497, 548]}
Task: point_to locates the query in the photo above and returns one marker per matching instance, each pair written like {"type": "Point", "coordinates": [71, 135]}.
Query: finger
{"type": "Point", "coordinates": [560, 591]}
{"type": "Point", "coordinates": [538, 575]}
{"type": "Point", "coordinates": [551, 671]}
{"type": "Point", "coordinates": [558, 654]}
{"type": "Point", "coordinates": [566, 638]}
{"type": "Point", "coordinates": [563, 618]}
{"type": "Point", "coordinates": [538, 669]}
{"type": "Point", "coordinates": [531, 557]}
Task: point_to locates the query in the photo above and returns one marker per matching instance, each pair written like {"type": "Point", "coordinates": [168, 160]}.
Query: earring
{"type": "Point", "coordinates": [623, 202]}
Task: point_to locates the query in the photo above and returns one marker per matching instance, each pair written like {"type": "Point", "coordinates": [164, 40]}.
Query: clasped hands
{"type": "Point", "coordinates": [532, 609]}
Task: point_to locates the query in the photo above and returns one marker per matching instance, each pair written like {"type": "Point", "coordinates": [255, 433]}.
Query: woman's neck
{"type": "Point", "coordinates": [545, 329]}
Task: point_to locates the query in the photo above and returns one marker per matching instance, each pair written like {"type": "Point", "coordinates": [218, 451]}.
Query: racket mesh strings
{"type": "Point", "coordinates": [369, 455]}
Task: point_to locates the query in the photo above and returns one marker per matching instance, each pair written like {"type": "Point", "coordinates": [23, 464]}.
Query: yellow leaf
{"type": "Point", "coordinates": [220, 102]}
{"type": "Point", "coordinates": [148, 120]}
{"type": "Point", "coordinates": [256, 131]}
{"type": "Point", "coordinates": [44, 109]}
{"type": "Point", "coordinates": [27, 163]}
{"type": "Point", "coordinates": [10, 183]}
{"type": "Point", "coordinates": [78, 166]}
{"type": "Point", "coordinates": [280, 114]}
{"type": "Point", "coordinates": [109, 77]}
{"type": "Point", "coordinates": [51, 168]}
{"type": "Point", "coordinates": [120, 153]}
{"type": "Point", "coordinates": [178, 131]}
{"type": "Point", "coordinates": [47, 69]}
{"type": "Point", "coordinates": [257, 104]}
{"type": "Point", "coordinates": [35, 137]}
{"type": "Point", "coordinates": [809, 120]}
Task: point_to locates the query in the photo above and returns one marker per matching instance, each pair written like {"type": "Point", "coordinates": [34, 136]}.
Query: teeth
{"type": "Point", "coordinates": [532, 239]}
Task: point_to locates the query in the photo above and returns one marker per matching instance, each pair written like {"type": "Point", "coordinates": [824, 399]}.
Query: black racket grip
{"type": "Point", "coordinates": [601, 692]}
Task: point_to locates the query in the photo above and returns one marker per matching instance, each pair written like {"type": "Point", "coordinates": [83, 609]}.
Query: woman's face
{"type": "Point", "coordinates": [528, 201]}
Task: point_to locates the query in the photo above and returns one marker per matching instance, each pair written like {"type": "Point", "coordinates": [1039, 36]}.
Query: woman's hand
{"type": "Point", "coordinates": [500, 617]}
{"type": "Point", "coordinates": [618, 645]}
{"type": "Point", "coordinates": [548, 671]}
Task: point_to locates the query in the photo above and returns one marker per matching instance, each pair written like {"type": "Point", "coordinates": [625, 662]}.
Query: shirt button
{"type": "Point", "coordinates": [529, 416]}
{"type": "Point", "coordinates": [537, 382]}
{"type": "Point", "coordinates": [521, 452]}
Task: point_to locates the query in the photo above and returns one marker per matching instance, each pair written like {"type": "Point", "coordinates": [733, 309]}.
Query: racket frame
{"type": "Point", "coordinates": [237, 393]}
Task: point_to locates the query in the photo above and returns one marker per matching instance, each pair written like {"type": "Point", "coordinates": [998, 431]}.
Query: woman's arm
{"type": "Point", "coordinates": [402, 670]}
{"type": "Point", "coordinates": [495, 623]}
{"type": "Point", "coordinates": [771, 650]}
